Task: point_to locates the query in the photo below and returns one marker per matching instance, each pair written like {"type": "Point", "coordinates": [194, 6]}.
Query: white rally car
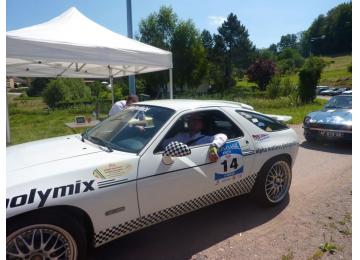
{"type": "Point", "coordinates": [67, 193]}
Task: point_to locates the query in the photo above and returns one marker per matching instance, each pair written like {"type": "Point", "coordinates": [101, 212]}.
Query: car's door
{"type": "Point", "coordinates": [173, 186]}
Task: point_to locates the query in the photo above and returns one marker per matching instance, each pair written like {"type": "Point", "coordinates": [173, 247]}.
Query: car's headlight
{"type": "Point", "coordinates": [307, 120]}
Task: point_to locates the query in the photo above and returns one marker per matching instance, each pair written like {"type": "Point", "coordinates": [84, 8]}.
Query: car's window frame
{"type": "Point", "coordinates": [267, 117]}
{"type": "Point", "coordinates": [185, 113]}
{"type": "Point", "coordinates": [152, 138]}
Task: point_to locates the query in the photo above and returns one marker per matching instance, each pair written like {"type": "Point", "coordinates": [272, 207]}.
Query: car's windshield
{"type": "Point", "coordinates": [131, 129]}
{"type": "Point", "coordinates": [339, 102]}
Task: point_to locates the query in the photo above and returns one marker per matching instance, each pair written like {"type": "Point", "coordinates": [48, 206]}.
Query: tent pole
{"type": "Point", "coordinates": [8, 140]}
{"type": "Point", "coordinates": [111, 85]}
{"type": "Point", "coordinates": [171, 83]}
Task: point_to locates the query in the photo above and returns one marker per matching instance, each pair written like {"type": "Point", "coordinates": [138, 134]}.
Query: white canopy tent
{"type": "Point", "coordinates": [71, 45]}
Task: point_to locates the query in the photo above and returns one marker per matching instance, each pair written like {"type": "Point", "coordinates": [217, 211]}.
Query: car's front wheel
{"type": "Point", "coordinates": [273, 182]}
{"type": "Point", "coordinates": [45, 237]}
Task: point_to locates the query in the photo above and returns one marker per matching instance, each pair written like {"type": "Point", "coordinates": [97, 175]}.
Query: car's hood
{"type": "Point", "coordinates": [332, 116]}
{"type": "Point", "coordinates": [45, 151]}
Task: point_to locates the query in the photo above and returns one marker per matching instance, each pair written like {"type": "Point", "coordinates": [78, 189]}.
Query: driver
{"type": "Point", "coordinates": [194, 136]}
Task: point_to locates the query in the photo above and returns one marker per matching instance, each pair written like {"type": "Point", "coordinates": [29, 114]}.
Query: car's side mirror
{"type": "Point", "coordinates": [175, 149]}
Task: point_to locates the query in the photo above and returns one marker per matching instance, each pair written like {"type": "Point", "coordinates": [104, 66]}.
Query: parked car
{"type": "Point", "coordinates": [319, 89]}
{"type": "Point", "coordinates": [68, 193]}
{"type": "Point", "coordinates": [328, 92]}
{"type": "Point", "coordinates": [333, 122]}
{"type": "Point", "coordinates": [347, 92]}
{"type": "Point", "coordinates": [338, 91]}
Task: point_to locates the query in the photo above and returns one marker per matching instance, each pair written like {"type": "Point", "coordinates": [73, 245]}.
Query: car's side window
{"type": "Point", "coordinates": [265, 123]}
{"type": "Point", "coordinates": [214, 122]}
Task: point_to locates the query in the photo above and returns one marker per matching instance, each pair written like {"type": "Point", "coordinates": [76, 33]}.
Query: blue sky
{"type": "Point", "coordinates": [265, 20]}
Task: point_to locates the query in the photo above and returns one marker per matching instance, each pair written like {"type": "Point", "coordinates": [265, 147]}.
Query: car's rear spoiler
{"type": "Point", "coordinates": [280, 118]}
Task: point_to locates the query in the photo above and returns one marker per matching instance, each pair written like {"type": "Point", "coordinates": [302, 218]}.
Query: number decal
{"type": "Point", "coordinates": [233, 164]}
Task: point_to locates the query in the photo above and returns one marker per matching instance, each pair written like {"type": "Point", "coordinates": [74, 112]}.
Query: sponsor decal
{"type": "Point", "coordinates": [230, 162]}
{"type": "Point", "coordinates": [112, 170]}
{"type": "Point", "coordinates": [275, 147]}
{"type": "Point", "coordinates": [261, 137]}
{"type": "Point", "coordinates": [41, 196]}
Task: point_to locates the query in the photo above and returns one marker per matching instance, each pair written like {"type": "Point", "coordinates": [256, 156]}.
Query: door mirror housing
{"type": "Point", "coordinates": [175, 149]}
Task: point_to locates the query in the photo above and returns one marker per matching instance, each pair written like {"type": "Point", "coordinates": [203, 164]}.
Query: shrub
{"type": "Point", "coordinates": [309, 77]}
{"type": "Point", "coordinates": [273, 89]}
{"type": "Point", "coordinates": [65, 90]}
{"type": "Point", "coordinates": [349, 68]}
{"type": "Point", "coordinates": [37, 87]}
{"type": "Point", "coordinates": [261, 72]}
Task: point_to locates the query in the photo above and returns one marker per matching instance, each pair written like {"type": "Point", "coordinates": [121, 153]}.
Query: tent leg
{"type": "Point", "coordinates": [111, 85]}
{"type": "Point", "coordinates": [8, 140]}
{"type": "Point", "coordinates": [171, 83]}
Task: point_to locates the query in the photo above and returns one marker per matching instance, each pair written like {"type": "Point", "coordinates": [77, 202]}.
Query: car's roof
{"type": "Point", "coordinates": [185, 104]}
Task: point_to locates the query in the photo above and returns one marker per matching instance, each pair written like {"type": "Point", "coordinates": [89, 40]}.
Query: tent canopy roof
{"type": "Point", "coordinates": [72, 45]}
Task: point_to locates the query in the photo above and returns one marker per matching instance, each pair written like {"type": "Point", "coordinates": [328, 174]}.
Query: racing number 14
{"type": "Point", "coordinates": [233, 164]}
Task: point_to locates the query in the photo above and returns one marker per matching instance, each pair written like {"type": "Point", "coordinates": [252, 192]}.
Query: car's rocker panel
{"type": "Point", "coordinates": [238, 188]}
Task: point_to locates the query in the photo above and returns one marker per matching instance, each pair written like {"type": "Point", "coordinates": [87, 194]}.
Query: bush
{"type": "Point", "coordinates": [261, 72]}
{"type": "Point", "coordinates": [65, 90]}
{"type": "Point", "coordinates": [349, 68]}
{"type": "Point", "coordinates": [309, 77]}
{"type": "Point", "coordinates": [273, 89]}
{"type": "Point", "coordinates": [37, 87]}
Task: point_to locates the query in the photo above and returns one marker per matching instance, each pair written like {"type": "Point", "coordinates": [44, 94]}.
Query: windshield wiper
{"type": "Point", "coordinates": [101, 142]}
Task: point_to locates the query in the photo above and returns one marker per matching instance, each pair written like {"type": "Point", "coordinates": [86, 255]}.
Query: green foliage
{"type": "Point", "coordinates": [288, 41]}
{"type": "Point", "coordinates": [328, 247]}
{"type": "Point", "coordinates": [309, 77]}
{"type": "Point", "coordinates": [65, 90]}
{"type": "Point", "coordinates": [349, 68]}
{"type": "Point", "coordinates": [188, 55]}
{"type": "Point", "coordinates": [261, 72]}
{"type": "Point", "coordinates": [289, 60]}
{"type": "Point", "coordinates": [37, 87]}
{"type": "Point", "coordinates": [336, 26]}
{"type": "Point", "coordinates": [274, 88]}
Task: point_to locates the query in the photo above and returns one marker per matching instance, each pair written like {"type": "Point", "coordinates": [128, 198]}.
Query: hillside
{"type": "Point", "coordinates": [336, 72]}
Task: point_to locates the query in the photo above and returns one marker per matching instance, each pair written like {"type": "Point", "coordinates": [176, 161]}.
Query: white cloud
{"type": "Point", "coordinates": [216, 20]}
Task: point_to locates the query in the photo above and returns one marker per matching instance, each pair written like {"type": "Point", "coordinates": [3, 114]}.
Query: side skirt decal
{"type": "Point", "coordinates": [240, 187]}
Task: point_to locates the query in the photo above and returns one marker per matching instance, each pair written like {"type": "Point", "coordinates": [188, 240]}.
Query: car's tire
{"type": "Point", "coordinates": [45, 236]}
{"type": "Point", "coordinates": [273, 182]}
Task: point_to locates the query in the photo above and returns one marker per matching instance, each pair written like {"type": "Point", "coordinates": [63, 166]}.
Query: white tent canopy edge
{"type": "Point", "coordinates": [71, 45]}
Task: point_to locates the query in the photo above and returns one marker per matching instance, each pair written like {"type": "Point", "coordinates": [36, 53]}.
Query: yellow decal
{"type": "Point", "coordinates": [112, 170]}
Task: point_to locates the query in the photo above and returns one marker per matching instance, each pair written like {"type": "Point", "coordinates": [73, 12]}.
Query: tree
{"type": "Point", "coordinates": [261, 72]}
{"type": "Point", "coordinates": [289, 60]}
{"type": "Point", "coordinates": [65, 90]}
{"type": "Point", "coordinates": [309, 77]}
{"type": "Point", "coordinates": [288, 41]}
{"type": "Point", "coordinates": [37, 87]}
{"type": "Point", "coordinates": [329, 34]}
{"type": "Point", "coordinates": [239, 50]}
{"type": "Point", "coordinates": [157, 30]}
{"type": "Point", "coordinates": [188, 55]}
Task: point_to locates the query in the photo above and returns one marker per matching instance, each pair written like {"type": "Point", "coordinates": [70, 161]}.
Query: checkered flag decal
{"type": "Point", "coordinates": [177, 149]}
{"type": "Point", "coordinates": [240, 187]}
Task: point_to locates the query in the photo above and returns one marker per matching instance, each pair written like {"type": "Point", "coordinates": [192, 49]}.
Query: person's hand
{"type": "Point", "coordinates": [213, 156]}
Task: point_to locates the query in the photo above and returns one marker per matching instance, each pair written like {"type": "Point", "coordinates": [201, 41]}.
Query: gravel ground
{"type": "Point", "coordinates": [317, 211]}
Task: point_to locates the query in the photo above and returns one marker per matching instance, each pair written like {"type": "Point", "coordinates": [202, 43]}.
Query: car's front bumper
{"type": "Point", "coordinates": [327, 134]}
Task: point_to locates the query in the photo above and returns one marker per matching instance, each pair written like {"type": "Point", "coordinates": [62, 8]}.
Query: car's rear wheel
{"type": "Point", "coordinates": [42, 238]}
{"type": "Point", "coordinates": [273, 183]}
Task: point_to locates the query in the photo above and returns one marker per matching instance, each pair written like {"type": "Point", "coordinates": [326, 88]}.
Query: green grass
{"type": "Point", "coordinates": [29, 120]}
{"type": "Point", "coordinates": [336, 73]}
{"type": "Point", "coordinates": [282, 106]}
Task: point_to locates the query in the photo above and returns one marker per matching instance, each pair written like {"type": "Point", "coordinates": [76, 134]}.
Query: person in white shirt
{"type": "Point", "coordinates": [122, 104]}
{"type": "Point", "coordinates": [195, 137]}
